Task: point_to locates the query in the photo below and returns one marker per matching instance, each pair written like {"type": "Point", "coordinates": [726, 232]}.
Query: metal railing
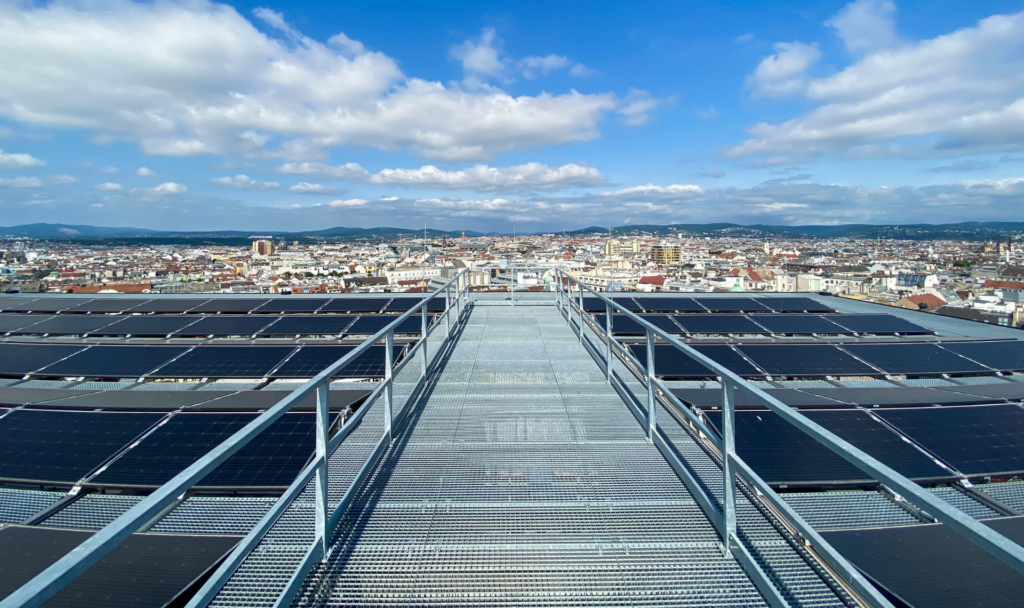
{"type": "Point", "coordinates": [50, 581]}
{"type": "Point", "coordinates": [734, 467]}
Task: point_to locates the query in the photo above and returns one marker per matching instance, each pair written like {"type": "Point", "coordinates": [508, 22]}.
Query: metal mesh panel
{"type": "Point", "coordinates": [214, 515]}
{"type": "Point", "coordinates": [848, 510]}
{"type": "Point", "coordinates": [91, 512]}
{"type": "Point", "coordinates": [1010, 493]}
{"type": "Point", "coordinates": [964, 502]}
{"type": "Point", "coordinates": [18, 505]}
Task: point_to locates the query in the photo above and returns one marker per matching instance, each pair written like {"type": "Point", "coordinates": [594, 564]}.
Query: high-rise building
{"type": "Point", "coordinates": [615, 247]}
{"type": "Point", "coordinates": [263, 247]}
{"type": "Point", "coordinates": [666, 254]}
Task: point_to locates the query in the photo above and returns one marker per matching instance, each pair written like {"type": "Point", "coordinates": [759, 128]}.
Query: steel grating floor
{"type": "Point", "coordinates": [520, 478]}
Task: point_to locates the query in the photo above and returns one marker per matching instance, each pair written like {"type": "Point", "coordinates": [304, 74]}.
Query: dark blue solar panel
{"type": "Point", "coordinates": [352, 304]}
{"type": "Point", "coordinates": [52, 304]}
{"type": "Point", "coordinates": [230, 305]}
{"type": "Point", "coordinates": [287, 305]}
{"type": "Point", "coordinates": [147, 325]}
{"type": "Point", "coordinates": [719, 324]}
{"type": "Point", "coordinates": [913, 359]}
{"type": "Point", "coordinates": [805, 360]}
{"type": "Point", "coordinates": [670, 362]}
{"type": "Point", "coordinates": [369, 325]}
{"type": "Point", "coordinates": [592, 304]}
{"type": "Point", "coordinates": [272, 458]}
{"type": "Point", "coordinates": [732, 304]}
{"type": "Point", "coordinates": [878, 324]}
{"type": "Point", "coordinates": [12, 322]}
{"type": "Point", "coordinates": [114, 361]}
{"type": "Point", "coordinates": [727, 356]}
{"type": "Point", "coordinates": [799, 324]}
{"type": "Point", "coordinates": [975, 440]}
{"type": "Point", "coordinates": [225, 362]}
{"type": "Point", "coordinates": [74, 325]}
{"type": "Point", "coordinates": [780, 453]}
{"type": "Point", "coordinates": [623, 325]}
{"type": "Point", "coordinates": [679, 304]}
{"type": "Point", "coordinates": [233, 325]}
{"type": "Point", "coordinates": [794, 305]}
{"type": "Point", "coordinates": [311, 360]}
{"type": "Point", "coordinates": [8, 302]}
{"type": "Point", "coordinates": [308, 325]}
{"type": "Point", "coordinates": [169, 305]}
{"type": "Point", "coordinates": [20, 359]}
{"type": "Point", "coordinates": [401, 304]}
{"type": "Point", "coordinates": [108, 305]}
{"type": "Point", "coordinates": [63, 447]}
{"type": "Point", "coordinates": [1005, 356]}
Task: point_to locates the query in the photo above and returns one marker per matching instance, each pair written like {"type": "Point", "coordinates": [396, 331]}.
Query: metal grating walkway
{"type": "Point", "coordinates": [520, 478]}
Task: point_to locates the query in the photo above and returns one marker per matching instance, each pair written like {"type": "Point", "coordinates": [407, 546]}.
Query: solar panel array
{"type": "Point", "coordinates": [214, 305]}
{"type": "Point", "coordinates": [688, 304]}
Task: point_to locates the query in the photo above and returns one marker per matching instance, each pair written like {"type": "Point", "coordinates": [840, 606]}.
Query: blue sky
{"type": "Point", "coordinates": [543, 116]}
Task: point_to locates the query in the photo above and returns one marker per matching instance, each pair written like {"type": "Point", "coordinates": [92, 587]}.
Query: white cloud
{"type": "Point", "coordinates": [21, 182]}
{"type": "Point", "coordinates": [192, 77]}
{"type": "Point", "coordinates": [481, 56]}
{"type": "Point", "coordinates": [784, 73]}
{"type": "Point", "coordinates": [636, 108]}
{"type": "Point", "coordinates": [482, 178]}
{"type": "Point", "coordinates": [960, 93]}
{"type": "Point", "coordinates": [532, 67]}
{"type": "Point", "coordinates": [62, 180]}
{"type": "Point", "coordinates": [744, 38]}
{"type": "Point", "coordinates": [308, 188]}
{"type": "Point", "coordinates": [108, 170]}
{"type": "Point", "coordinates": [145, 172]}
{"type": "Point", "coordinates": [109, 187]}
{"type": "Point", "coordinates": [352, 202]}
{"type": "Point", "coordinates": [244, 182]}
{"type": "Point", "coordinates": [162, 189]}
{"type": "Point", "coordinates": [707, 114]}
{"type": "Point", "coordinates": [18, 161]}
{"type": "Point", "coordinates": [581, 71]}
{"type": "Point", "coordinates": [866, 25]}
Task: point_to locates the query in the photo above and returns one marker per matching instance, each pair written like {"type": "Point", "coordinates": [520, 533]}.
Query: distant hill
{"type": "Point", "coordinates": [74, 232]}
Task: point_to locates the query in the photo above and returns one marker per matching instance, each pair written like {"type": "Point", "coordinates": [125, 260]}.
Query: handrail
{"type": "Point", "coordinates": [54, 578]}
{"type": "Point", "coordinates": [985, 537]}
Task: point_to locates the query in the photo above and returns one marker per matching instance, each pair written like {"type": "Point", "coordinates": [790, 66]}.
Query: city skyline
{"type": "Point", "coordinates": [199, 115]}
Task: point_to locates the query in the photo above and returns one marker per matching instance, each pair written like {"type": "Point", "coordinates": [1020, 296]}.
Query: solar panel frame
{"type": "Point", "coordinates": [719, 324]}
{"type": "Point", "coordinates": [1006, 356]}
{"type": "Point", "coordinates": [271, 459]}
{"type": "Point", "coordinates": [629, 304]}
{"type": "Point", "coordinates": [209, 361]}
{"type": "Point", "coordinates": [367, 325]}
{"type": "Point", "coordinates": [897, 396]}
{"type": "Point", "coordinates": [977, 440]}
{"type": "Point", "coordinates": [62, 446]}
{"type": "Point", "coordinates": [669, 362]}
{"type": "Point", "coordinates": [794, 305]}
{"type": "Point", "coordinates": [107, 305]}
{"type": "Point", "coordinates": [103, 361]}
{"type": "Point", "coordinates": [231, 325]}
{"type": "Point", "coordinates": [401, 304]}
{"type": "Point", "coordinates": [737, 305]}
{"type": "Point", "coordinates": [229, 305]}
{"type": "Point", "coordinates": [170, 305]}
{"type": "Point", "coordinates": [914, 359]}
{"type": "Point", "coordinates": [20, 359]}
{"type": "Point", "coordinates": [8, 302]}
{"type": "Point", "coordinates": [670, 304]}
{"type": "Point", "coordinates": [308, 325]}
{"type": "Point", "coordinates": [879, 324]}
{"type": "Point", "coordinates": [350, 304]}
{"type": "Point", "coordinates": [310, 360]}
{"type": "Point", "coordinates": [624, 326]}
{"type": "Point", "coordinates": [51, 305]}
{"type": "Point", "coordinates": [12, 322]}
{"type": "Point", "coordinates": [290, 305]}
{"type": "Point", "coordinates": [147, 325]}
{"type": "Point", "coordinates": [68, 325]}
{"type": "Point", "coordinates": [797, 360]}
{"type": "Point", "coordinates": [799, 324]}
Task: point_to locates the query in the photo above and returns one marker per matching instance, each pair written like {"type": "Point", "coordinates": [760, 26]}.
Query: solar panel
{"type": "Point", "coordinates": [800, 324]}
{"type": "Point", "coordinates": [308, 325]}
{"type": "Point", "coordinates": [436, 305]}
{"type": "Point", "coordinates": [311, 360]}
{"type": "Point", "coordinates": [629, 304]}
{"type": "Point", "coordinates": [725, 355]}
{"type": "Point", "coordinates": [13, 322]}
{"type": "Point", "coordinates": [932, 565]}
{"type": "Point", "coordinates": [895, 395]}
{"type": "Point", "coordinates": [54, 304]}
{"type": "Point", "coordinates": [1013, 391]}
{"type": "Point", "coordinates": [12, 395]}
{"type": "Point", "coordinates": [8, 302]}
{"type": "Point", "coordinates": [913, 359]}
{"type": "Point", "coordinates": [671, 305]}
{"type": "Point", "coordinates": [63, 447]}
{"type": "Point", "coordinates": [235, 325]}
{"type": "Point", "coordinates": [285, 305]}
{"type": "Point", "coordinates": [169, 305]}
{"type": "Point", "coordinates": [780, 453]}
{"type": "Point", "coordinates": [794, 305]}
{"type": "Point", "coordinates": [719, 324]}
{"type": "Point", "coordinates": [369, 325]}
{"type": "Point", "coordinates": [229, 305]}
{"type": "Point", "coordinates": [350, 304]}
{"type": "Point", "coordinates": [711, 398]}
{"type": "Point", "coordinates": [401, 304]}
{"type": "Point", "coordinates": [878, 324]}
{"type": "Point", "coordinates": [147, 325]}
{"type": "Point", "coordinates": [592, 304]}
{"type": "Point", "coordinates": [252, 401]}
{"type": "Point", "coordinates": [975, 439]}
{"type": "Point", "coordinates": [72, 325]}
{"type": "Point", "coordinates": [153, 401]}
{"type": "Point", "coordinates": [225, 362]}
{"type": "Point", "coordinates": [272, 458]}
{"type": "Point", "coordinates": [20, 359]}
{"type": "Point", "coordinates": [108, 305]}
{"type": "Point", "coordinates": [1004, 356]}
{"type": "Point", "coordinates": [114, 361]}
{"type": "Point", "coordinates": [670, 362]}
{"type": "Point", "coordinates": [144, 571]}
{"type": "Point", "coordinates": [623, 325]}
{"type": "Point", "coordinates": [805, 360]}
{"type": "Point", "coordinates": [731, 304]}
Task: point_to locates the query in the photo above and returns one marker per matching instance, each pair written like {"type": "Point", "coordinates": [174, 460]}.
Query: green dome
{"type": "Point", "coordinates": [549, 279]}
{"type": "Point", "coordinates": [736, 287]}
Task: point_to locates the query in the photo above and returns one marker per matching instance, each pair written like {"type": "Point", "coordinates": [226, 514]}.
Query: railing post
{"type": "Point", "coordinates": [447, 310]}
{"type": "Point", "coordinates": [322, 426]}
{"type": "Point", "coordinates": [608, 343]}
{"type": "Point", "coordinates": [728, 469]}
{"type": "Point", "coordinates": [389, 386]}
{"type": "Point", "coordinates": [423, 340]}
{"type": "Point", "coordinates": [512, 288]}
{"type": "Point", "coordinates": [652, 422]}
{"type": "Point", "coordinates": [581, 309]}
